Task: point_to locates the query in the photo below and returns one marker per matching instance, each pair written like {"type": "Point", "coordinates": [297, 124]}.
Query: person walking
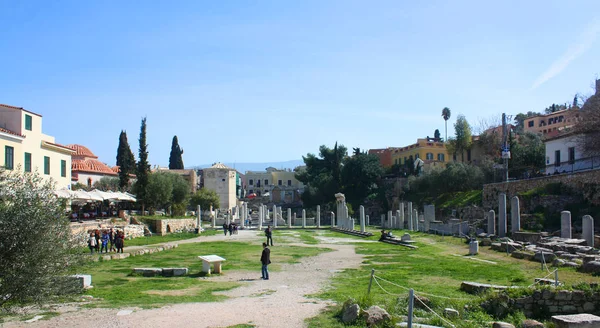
{"type": "Point", "coordinates": [112, 235]}
{"type": "Point", "coordinates": [265, 259]}
{"type": "Point", "coordinates": [92, 242]}
{"type": "Point", "coordinates": [269, 234]}
{"type": "Point", "coordinates": [104, 246]}
{"type": "Point", "coordinates": [225, 228]}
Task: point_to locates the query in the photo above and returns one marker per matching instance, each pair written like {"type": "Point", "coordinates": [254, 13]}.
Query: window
{"type": "Point", "coordinates": [63, 168]}
{"type": "Point", "coordinates": [27, 162]}
{"type": "Point", "coordinates": [251, 182]}
{"type": "Point", "coordinates": [530, 124]}
{"type": "Point", "coordinates": [266, 182]}
{"type": "Point", "coordinates": [441, 157]}
{"type": "Point", "coordinates": [28, 122]}
{"type": "Point", "coordinates": [468, 154]}
{"type": "Point", "coordinates": [258, 183]}
{"type": "Point", "coordinates": [9, 157]}
{"type": "Point", "coordinates": [572, 155]}
{"type": "Point", "coordinates": [429, 156]}
{"type": "Point", "coordinates": [46, 165]}
{"type": "Point", "coordinates": [557, 158]}
{"type": "Point", "coordinates": [289, 182]}
{"type": "Point", "coordinates": [279, 182]}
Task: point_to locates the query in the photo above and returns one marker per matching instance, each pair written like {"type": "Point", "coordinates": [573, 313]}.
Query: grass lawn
{"type": "Point", "coordinates": [434, 270]}
{"type": "Point", "coordinates": [115, 286]}
{"type": "Point", "coordinates": [156, 239]}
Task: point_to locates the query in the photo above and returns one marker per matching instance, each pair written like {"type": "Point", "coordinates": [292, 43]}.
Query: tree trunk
{"type": "Point", "coordinates": [446, 124]}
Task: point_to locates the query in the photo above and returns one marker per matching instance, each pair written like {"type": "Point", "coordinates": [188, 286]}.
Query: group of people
{"type": "Point", "coordinates": [231, 227]}
{"type": "Point", "coordinates": [106, 240]}
{"type": "Point", "coordinates": [386, 235]}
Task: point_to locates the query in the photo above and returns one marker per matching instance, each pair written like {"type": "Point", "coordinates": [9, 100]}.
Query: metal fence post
{"type": "Point", "coordinates": [411, 301]}
{"type": "Point", "coordinates": [556, 278]}
{"type": "Point", "coordinates": [371, 281]}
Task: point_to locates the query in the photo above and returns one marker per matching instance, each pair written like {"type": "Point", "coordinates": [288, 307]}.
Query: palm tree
{"type": "Point", "coordinates": [446, 116]}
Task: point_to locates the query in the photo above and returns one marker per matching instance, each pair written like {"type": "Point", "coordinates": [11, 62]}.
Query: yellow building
{"type": "Point", "coordinates": [429, 151]}
{"type": "Point", "coordinates": [547, 124]}
{"type": "Point", "coordinates": [24, 146]}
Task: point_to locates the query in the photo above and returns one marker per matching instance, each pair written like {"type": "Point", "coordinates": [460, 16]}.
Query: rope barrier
{"type": "Point", "coordinates": [428, 308]}
{"type": "Point", "coordinates": [426, 294]}
{"type": "Point", "coordinates": [546, 276]}
{"type": "Point", "coordinates": [377, 282]}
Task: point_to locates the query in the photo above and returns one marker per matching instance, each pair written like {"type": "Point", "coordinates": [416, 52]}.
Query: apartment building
{"type": "Point", "coordinates": [427, 149]}
{"type": "Point", "coordinates": [23, 146]}
{"type": "Point", "coordinates": [552, 123]}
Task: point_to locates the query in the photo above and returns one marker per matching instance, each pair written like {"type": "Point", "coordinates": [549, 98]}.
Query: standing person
{"type": "Point", "coordinates": [225, 228]}
{"type": "Point", "coordinates": [269, 234]}
{"type": "Point", "coordinates": [265, 259]}
{"type": "Point", "coordinates": [92, 242]}
{"type": "Point", "coordinates": [230, 228]}
{"type": "Point", "coordinates": [98, 237]}
{"type": "Point", "coordinates": [104, 246]}
{"type": "Point", "coordinates": [111, 239]}
{"type": "Point", "coordinates": [119, 241]}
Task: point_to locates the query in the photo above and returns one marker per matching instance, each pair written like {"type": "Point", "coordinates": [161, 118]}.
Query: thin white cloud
{"type": "Point", "coordinates": [585, 41]}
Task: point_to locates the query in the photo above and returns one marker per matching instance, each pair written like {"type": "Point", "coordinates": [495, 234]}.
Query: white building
{"type": "Point", "coordinates": [564, 155]}
{"type": "Point", "coordinates": [222, 179]}
{"type": "Point", "coordinates": [24, 146]}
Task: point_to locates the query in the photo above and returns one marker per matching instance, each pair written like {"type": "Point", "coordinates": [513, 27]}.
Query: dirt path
{"type": "Point", "coordinates": [278, 302]}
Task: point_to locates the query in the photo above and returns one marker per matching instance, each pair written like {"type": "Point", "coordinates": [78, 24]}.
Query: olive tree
{"type": "Point", "coordinates": [37, 249]}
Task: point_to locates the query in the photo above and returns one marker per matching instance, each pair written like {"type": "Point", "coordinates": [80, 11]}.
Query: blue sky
{"type": "Point", "coordinates": [258, 81]}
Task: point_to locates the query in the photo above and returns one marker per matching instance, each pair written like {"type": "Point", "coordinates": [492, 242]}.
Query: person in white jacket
{"type": "Point", "coordinates": [92, 242]}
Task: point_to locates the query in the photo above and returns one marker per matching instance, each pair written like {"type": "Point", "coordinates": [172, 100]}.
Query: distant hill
{"type": "Point", "coordinates": [243, 167]}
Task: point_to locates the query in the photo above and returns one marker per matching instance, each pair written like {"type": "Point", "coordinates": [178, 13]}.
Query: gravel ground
{"type": "Point", "coordinates": [277, 302]}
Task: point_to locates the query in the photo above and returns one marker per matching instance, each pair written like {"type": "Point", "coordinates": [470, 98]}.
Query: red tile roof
{"type": "Point", "coordinates": [82, 151]}
{"type": "Point", "coordinates": [21, 108]}
{"type": "Point", "coordinates": [11, 132]}
{"type": "Point", "coordinates": [91, 165]}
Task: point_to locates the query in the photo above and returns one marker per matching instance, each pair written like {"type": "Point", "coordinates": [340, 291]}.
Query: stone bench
{"type": "Point", "coordinates": [582, 320]}
{"type": "Point", "coordinates": [207, 260]}
{"type": "Point", "coordinates": [83, 281]}
{"type": "Point", "coordinates": [165, 272]}
{"type": "Point", "coordinates": [353, 232]}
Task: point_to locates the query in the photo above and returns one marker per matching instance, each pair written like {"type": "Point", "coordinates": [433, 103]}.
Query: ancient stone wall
{"type": "Point", "coordinates": [81, 231]}
{"type": "Point", "coordinates": [547, 302]}
{"type": "Point", "coordinates": [162, 227]}
{"type": "Point", "coordinates": [587, 182]}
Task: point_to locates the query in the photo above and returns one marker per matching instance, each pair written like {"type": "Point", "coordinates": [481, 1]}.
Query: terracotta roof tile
{"type": "Point", "coordinates": [82, 151]}
{"type": "Point", "coordinates": [91, 165]}
{"type": "Point", "coordinates": [11, 132]}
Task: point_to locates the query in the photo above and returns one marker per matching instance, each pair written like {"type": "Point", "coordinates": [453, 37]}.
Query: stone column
{"type": "Point", "coordinates": [389, 220]}
{"type": "Point", "coordinates": [289, 217]}
{"type": "Point", "coordinates": [416, 220]}
{"type": "Point", "coordinates": [293, 219]}
{"type": "Point", "coordinates": [275, 216]}
{"type": "Point", "coordinates": [228, 216]}
{"type": "Point", "coordinates": [515, 215]}
{"type": "Point", "coordinates": [318, 218]}
{"type": "Point", "coordinates": [351, 225]}
{"type": "Point", "coordinates": [347, 218]}
{"type": "Point", "coordinates": [502, 215]}
{"type": "Point", "coordinates": [410, 216]}
{"type": "Point", "coordinates": [244, 215]}
{"type": "Point", "coordinates": [401, 216]}
{"type": "Point", "coordinates": [361, 210]}
{"type": "Point", "coordinates": [429, 216]}
{"type": "Point", "coordinates": [588, 229]}
{"type": "Point", "coordinates": [303, 218]}
{"type": "Point", "coordinates": [332, 219]}
{"type": "Point", "coordinates": [491, 228]}
{"type": "Point", "coordinates": [368, 221]}
{"type": "Point", "coordinates": [198, 218]}
{"type": "Point", "coordinates": [565, 224]}
{"type": "Point", "coordinates": [261, 213]}
{"type": "Point", "coordinates": [382, 221]}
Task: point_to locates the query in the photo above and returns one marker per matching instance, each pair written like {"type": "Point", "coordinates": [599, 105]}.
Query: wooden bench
{"type": "Point", "coordinates": [353, 232]}
{"type": "Point", "coordinates": [207, 260]}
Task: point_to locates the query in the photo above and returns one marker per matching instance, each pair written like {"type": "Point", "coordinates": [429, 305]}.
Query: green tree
{"type": "Point", "coordinates": [360, 175]}
{"type": "Point", "coordinates": [143, 168]}
{"type": "Point", "coordinates": [205, 198]}
{"type": "Point", "coordinates": [528, 153]}
{"type": "Point", "coordinates": [159, 191]}
{"type": "Point", "coordinates": [175, 159]}
{"type": "Point", "coordinates": [554, 108]}
{"type": "Point", "coordinates": [181, 194]}
{"type": "Point", "coordinates": [436, 134]}
{"type": "Point", "coordinates": [125, 161]}
{"type": "Point", "coordinates": [446, 115]}
{"type": "Point", "coordinates": [322, 176]}
{"type": "Point", "coordinates": [37, 249]}
{"type": "Point", "coordinates": [462, 131]}
{"type": "Point", "coordinates": [107, 183]}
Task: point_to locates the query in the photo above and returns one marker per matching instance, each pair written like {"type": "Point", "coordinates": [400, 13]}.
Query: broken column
{"type": "Point", "coordinates": [361, 210]}
{"type": "Point", "coordinates": [289, 217]}
{"type": "Point", "coordinates": [491, 230]}
{"type": "Point", "coordinates": [318, 216]}
{"type": "Point", "coordinates": [409, 215]}
{"type": "Point", "coordinates": [367, 218]}
{"type": "Point", "coordinates": [244, 215]}
{"type": "Point", "coordinates": [382, 221]}
{"type": "Point", "coordinates": [565, 224]}
{"type": "Point", "coordinates": [303, 218]}
{"type": "Point", "coordinates": [587, 230]}
{"type": "Point", "coordinates": [515, 215]}
{"type": "Point", "coordinates": [389, 220]}
{"type": "Point", "coordinates": [429, 216]}
{"type": "Point", "coordinates": [275, 216]}
{"type": "Point", "coordinates": [260, 216]}
{"type": "Point", "coordinates": [502, 215]}
{"type": "Point", "coordinates": [401, 216]}
{"type": "Point", "coordinates": [415, 220]}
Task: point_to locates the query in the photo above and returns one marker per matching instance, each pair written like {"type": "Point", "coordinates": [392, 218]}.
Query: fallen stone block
{"type": "Point", "coordinates": [106, 257]}
{"type": "Point", "coordinates": [82, 280]}
{"type": "Point", "coordinates": [591, 267]}
{"type": "Point", "coordinates": [148, 272]}
{"type": "Point", "coordinates": [544, 257]}
{"type": "Point", "coordinates": [174, 272]}
{"type": "Point", "coordinates": [583, 320]}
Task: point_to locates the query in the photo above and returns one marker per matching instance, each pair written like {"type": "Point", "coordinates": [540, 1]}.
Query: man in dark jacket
{"type": "Point", "coordinates": [265, 259]}
{"type": "Point", "coordinates": [269, 234]}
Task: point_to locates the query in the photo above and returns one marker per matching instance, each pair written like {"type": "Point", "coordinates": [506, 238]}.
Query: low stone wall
{"type": "Point", "coordinates": [548, 302]}
{"type": "Point", "coordinates": [81, 231]}
{"type": "Point", "coordinates": [162, 227]}
{"type": "Point", "coordinates": [586, 182]}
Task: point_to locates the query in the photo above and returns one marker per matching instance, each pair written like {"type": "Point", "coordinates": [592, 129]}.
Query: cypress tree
{"type": "Point", "coordinates": [143, 167]}
{"type": "Point", "coordinates": [125, 160]}
{"type": "Point", "coordinates": [175, 159]}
